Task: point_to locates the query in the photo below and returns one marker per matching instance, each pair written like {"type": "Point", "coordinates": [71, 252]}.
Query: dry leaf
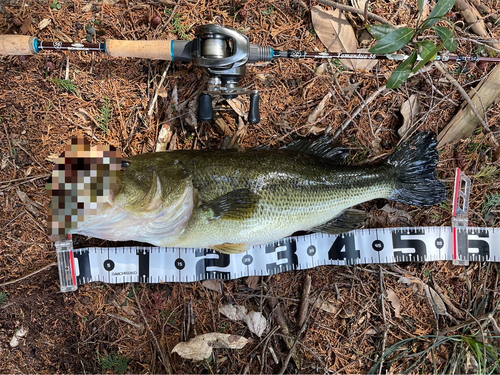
{"type": "Point", "coordinates": [31, 205]}
{"type": "Point", "coordinates": [399, 214]}
{"type": "Point", "coordinates": [164, 138]}
{"type": "Point", "coordinates": [409, 110]}
{"type": "Point", "coordinates": [215, 285]}
{"type": "Point", "coordinates": [44, 23]}
{"type": "Point", "coordinates": [252, 281]}
{"type": "Point", "coordinates": [237, 106]}
{"type": "Point", "coordinates": [87, 8]}
{"type": "Point", "coordinates": [435, 301]}
{"type": "Point", "coordinates": [256, 322]}
{"type": "Point", "coordinates": [360, 4]}
{"type": "Point", "coordinates": [325, 306]}
{"type": "Point", "coordinates": [335, 32]}
{"type": "Point", "coordinates": [405, 280]}
{"type": "Point", "coordinates": [52, 158]}
{"type": "Point", "coordinates": [322, 69]}
{"type": "Point", "coordinates": [365, 64]}
{"type": "Point", "coordinates": [396, 304]}
{"type": "Point", "coordinates": [18, 335]}
{"type": "Point", "coordinates": [319, 109]}
{"type": "Point", "coordinates": [233, 312]}
{"type": "Point", "coordinates": [26, 25]}
{"type": "Point", "coordinates": [200, 347]}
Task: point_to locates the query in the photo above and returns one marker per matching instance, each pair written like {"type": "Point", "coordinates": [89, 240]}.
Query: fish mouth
{"type": "Point", "coordinates": [115, 223]}
{"type": "Point", "coordinates": [83, 184]}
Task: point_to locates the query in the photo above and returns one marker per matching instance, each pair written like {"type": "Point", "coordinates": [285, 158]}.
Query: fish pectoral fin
{"type": "Point", "coordinates": [231, 248]}
{"type": "Point", "coordinates": [346, 221]}
{"type": "Point", "coordinates": [238, 204]}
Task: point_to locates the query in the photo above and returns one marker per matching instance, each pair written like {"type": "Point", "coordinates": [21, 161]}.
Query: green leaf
{"type": "Point", "coordinates": [402, 72]}
{"type": "Point", "coordinates": [448, 38]}
{"type": "Point", "coordinates": [427, 58]}
{"type": "Point", "coordinates": [379, 31]}
{"type": "Point", "coordinates": [426, 47]}
{"type": "Point", "coordinates": [393, 41]}
{"type": "Point", "coordinates": [440, 10]}
{"type": "Point", "coordinates": [421, 5]}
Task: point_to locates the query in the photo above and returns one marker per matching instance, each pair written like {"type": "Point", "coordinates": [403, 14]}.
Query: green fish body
{"type": "Point", "coordinates": [229, 200]}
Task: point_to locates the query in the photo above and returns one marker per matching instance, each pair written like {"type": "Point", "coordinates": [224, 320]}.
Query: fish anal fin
{"type": "Point", "coordinates": [238, 204]}
{"type": "Point", "coordinates": [346, 221]}
{"type": "Point", "coordinates": [231, 248]}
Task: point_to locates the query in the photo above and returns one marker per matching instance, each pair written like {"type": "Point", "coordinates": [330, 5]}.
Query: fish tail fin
{"type": "Point", "coordinates": [415, 168]}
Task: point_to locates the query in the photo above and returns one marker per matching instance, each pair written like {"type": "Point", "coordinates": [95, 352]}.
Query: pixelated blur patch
{"type": "Point", "coordinates": [81, 184]}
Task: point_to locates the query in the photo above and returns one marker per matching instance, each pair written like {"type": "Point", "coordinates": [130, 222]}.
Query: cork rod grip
{"type": "Point", "coordinates": [17, 45]}
{"type": "Point", "coordinates": [143, 49]}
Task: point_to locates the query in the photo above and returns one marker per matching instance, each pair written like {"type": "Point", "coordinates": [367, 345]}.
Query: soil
{"type": "Point", "coordinates": [134, 327]}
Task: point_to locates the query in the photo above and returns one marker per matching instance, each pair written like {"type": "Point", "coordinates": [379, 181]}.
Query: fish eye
{"type": "Point", "coordinates": [125, 164]}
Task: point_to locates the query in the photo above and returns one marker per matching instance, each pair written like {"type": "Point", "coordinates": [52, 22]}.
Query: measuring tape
{"type": "Point", "coordinates": [147, 264]}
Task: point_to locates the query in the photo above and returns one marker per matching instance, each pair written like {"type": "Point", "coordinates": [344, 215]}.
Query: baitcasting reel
{"type": "Point", "coordinates": [224, 53]}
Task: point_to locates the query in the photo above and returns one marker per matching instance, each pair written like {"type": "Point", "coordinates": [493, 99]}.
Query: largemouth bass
{"type": "Point", "coordinates": [229, 200]}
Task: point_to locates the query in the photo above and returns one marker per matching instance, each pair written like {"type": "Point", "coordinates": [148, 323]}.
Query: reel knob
{"type": "Point", "coordinates": [205, 109]}
{"type": "Point", "coordinates": [254, 112]}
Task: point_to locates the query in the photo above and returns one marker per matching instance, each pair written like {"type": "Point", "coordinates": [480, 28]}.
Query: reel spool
{"type": "Point", "coordinates": [224, 53]}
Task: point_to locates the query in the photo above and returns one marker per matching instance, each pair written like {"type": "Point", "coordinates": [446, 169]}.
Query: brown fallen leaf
{"type": "Point", "coordinates": [318, 111]}
{"type": "Point", "coordinates": [394, 299]}
{"type": "Point", "coordinates": [409, 110]}
{"type": "Point", "coordinates": [255, 321]}
{"type": "Point", "coordinates": [200, 347]}
{"type": "Point", "coordinates": [44, 23]}
{"type": "Point", "coordinates": [25, 28]}
{"type": "Point", "coordinates": [335, 32]}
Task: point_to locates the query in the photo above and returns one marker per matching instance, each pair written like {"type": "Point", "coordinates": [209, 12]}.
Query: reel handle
{"type": "Point", "coordinates": [170, 50]}
{"type": "Point", "coordinates": [205, 109]}
{"type": "Point", "coordinates": [254, 112]}
{"type": "Point", "coordinates": [17, 45]}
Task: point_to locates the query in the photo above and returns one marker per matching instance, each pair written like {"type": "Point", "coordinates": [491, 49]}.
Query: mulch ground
{"type": "Point", "coordinates": [77, 332]}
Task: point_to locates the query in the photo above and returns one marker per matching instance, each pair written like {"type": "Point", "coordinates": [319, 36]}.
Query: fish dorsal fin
{"type": "Point", "coordinates": [322, 147]}
{"type": "Point", "coordinates": [346, 221]}
{"type": "Point", "coordinates": [238, 204]}
{"type": "Point", "coordinates": [231, 248]}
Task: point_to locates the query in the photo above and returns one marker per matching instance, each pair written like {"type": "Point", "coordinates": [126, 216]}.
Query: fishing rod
{"type": "Point", "coordinates": [222, 51]}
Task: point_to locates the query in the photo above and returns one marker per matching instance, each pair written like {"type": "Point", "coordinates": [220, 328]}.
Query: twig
{"type": "Point", "coordinates": [31, 156]}
{"type": "Point", "coordinates": [66, 77]}
{"type": "Point", "coordinates": [304, 303]}
{"type": "Point", "coordinates": [464, 324]}
{"type": "Point", "coordinates": [140, 327]}
{"type": "Point", "coordinates": [165, 359]}
{"type": "Point", "coordinates": [155, 96]}
{"type": "Point", "coordinates": [29, 178]}
{"type": "Point", "coordinates": [264, 346]}
{"type": "Point", "coordinates": [382, 299]}
{"type": "Point", "coordinates": [29, 275]}
{"type": "Point", "coordinates": [361, 12]}
{"type": "Point", "coordinates": [302, 330]}
{"type": "Point", "coordinates": [368, 101]}
{"type": "Point", "coordinates": [358, 110]}
{"type": "Point", "coordinates": [447, 300]}
{"type": "Point", "coordinates": [466, 96]}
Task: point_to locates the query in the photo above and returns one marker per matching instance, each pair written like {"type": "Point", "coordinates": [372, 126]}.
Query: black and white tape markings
{"type": "Point", "coordinates": [389, 245]}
